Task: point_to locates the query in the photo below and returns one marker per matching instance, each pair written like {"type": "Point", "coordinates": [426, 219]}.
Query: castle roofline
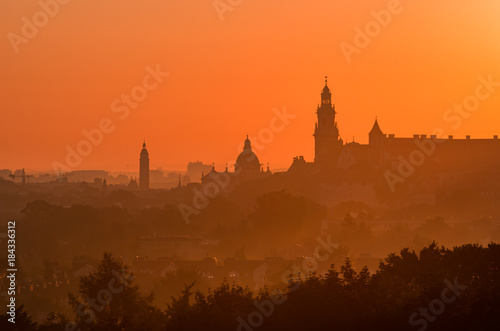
{"type": "Point", "coordinates": [376, 129]}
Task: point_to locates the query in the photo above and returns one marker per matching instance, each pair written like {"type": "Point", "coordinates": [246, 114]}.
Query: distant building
{"type": "Point", "coordinates": [120, 179]}
{"type": "Point", "coordinates": [86, 175]}
{"type": "Point", "coordinates": [144, 168]}
{"type": "Point", "coordinates": [133, 186]}
{"type": "Point", "coordinates": [160, 179]}
{"type": "Point", "coordinates": [157, 176]}
{"type": "Point", "coordinates": [246, 168]}
{"type": "Point", "coordinates": [5, 173]}
{"type": "Point", "coordinates": [195, 170]}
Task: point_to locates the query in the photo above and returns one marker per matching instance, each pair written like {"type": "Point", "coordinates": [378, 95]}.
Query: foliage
{"type": "Point", "coordinates": [341, 299]}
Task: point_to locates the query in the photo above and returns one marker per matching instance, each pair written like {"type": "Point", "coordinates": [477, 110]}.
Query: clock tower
{"type": "Point", "coordinates": [328, 144]}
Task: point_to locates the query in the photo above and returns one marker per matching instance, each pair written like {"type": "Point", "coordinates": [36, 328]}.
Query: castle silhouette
{"type": "Point", "coordinates": [422, 166]}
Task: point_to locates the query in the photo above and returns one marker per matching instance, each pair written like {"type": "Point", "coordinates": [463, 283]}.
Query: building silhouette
{"type": "Point", "coordinates": [144, 168]}
{"type": "Point", "coordinates": [195, 170]}
{"type": "Point", "coordinates": [418, 169]}
{"type": "Point", "coordinates": [132, 185]}
{"type": "Point", "coordinates": [387, 170]}
{"type": "Point", "coordinates": [328, 144]}
{"type": "Point", "coordinates": [247, 164]}
{"type": "Point", "coordinates": [246, 168]}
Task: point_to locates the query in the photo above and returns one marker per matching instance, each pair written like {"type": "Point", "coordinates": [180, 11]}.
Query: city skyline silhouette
{"type": "Point", "coordinates": [239, 165]}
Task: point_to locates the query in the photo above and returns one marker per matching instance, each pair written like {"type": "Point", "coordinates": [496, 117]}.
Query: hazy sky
{"type": "Point", "coordinates": [226, 76]}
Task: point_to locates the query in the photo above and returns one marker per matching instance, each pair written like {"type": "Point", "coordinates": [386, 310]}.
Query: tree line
{"type": "Point", "coordinates": [433, 289]}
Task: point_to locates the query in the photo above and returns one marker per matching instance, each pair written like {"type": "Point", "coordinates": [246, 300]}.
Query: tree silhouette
{"type": "Point", "coordinates": [407, 287]}
{"type": "Point", "coordinates": [22, 321]}
{"type": "Point", "coordinates": [108, 300]}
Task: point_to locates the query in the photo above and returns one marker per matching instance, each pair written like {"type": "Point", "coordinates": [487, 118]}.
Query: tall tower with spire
{"type": "Point", "coordinates": [328, 144]}
{"type": "Point", "coordinates": [144, 168]}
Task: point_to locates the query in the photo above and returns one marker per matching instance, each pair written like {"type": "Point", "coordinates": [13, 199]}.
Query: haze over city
{"type": "Point", "coordinates": [250, 165]}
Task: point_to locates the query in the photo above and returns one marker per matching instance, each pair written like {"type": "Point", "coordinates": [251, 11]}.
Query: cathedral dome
{"type": "Point", "coordinates": [247, 161]}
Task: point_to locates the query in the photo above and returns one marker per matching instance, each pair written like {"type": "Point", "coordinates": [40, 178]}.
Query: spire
{"type": "Point", "coordinates": [376, 128]}
{"type": "Point", "coordinates": [326, 95]}
{"type": "Point", "coordinates": [376, 136]}
{"type": "Point", "coordinates": [144, 151]}
{"type": "Point", "coordinates": [180, 181]}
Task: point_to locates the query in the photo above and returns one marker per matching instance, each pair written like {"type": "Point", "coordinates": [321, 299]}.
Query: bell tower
{"type": "Point", "coordinates": [144, 168]}
{"type": "Point", "coordinates": [328, 144]}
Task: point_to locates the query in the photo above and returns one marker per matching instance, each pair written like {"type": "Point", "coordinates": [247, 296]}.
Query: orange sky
{"type": "Point", "coordinates": [227, 76]}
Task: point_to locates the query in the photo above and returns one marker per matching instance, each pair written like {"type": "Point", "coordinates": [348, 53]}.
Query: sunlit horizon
{"type": "Point", "coordinates": [226, 77]}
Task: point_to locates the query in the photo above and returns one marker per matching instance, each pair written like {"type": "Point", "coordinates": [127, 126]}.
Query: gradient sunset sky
{"type": "Point", "coordinates": [226, 76]}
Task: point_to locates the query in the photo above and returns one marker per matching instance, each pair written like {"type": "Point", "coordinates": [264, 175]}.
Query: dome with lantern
{"type": "Point", "coordinates": [247, 162]}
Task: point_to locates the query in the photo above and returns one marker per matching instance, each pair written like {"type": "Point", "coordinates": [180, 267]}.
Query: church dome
{"type": "Point", "coordinates": [247, 161]}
